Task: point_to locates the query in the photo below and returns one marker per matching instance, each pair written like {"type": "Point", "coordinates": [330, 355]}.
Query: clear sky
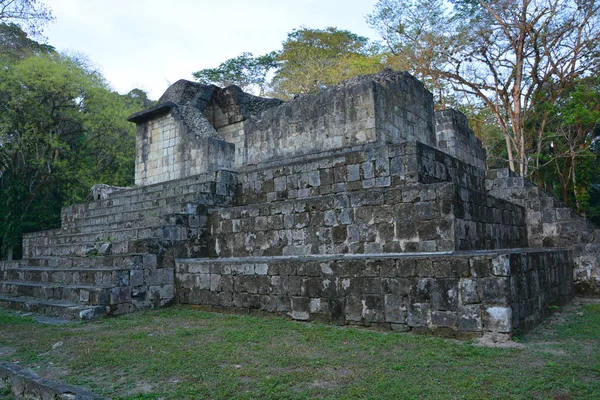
{"type": "Point", "coordinates": [150, 44]}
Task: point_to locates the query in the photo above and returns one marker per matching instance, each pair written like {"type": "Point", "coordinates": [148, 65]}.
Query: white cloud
{"type": "Point", "coordinates": [151, 43]}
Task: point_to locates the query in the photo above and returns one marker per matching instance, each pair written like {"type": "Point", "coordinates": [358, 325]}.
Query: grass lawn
{"type": "Point", "coordinates": [178, 353]}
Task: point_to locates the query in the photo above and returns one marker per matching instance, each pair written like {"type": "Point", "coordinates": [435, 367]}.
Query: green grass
{"type": "Point", "coordinates": [180, 353]}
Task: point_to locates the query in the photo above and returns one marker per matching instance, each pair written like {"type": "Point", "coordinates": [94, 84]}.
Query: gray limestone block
{"type": "Point", "coordinates": [418, 315]}
{"type": "Point", "coordinates": [373, 309]}
{"type": "Point", "coordinates": [495, 290]}
{"type": "Point", "coordinates": [444, 319]}
{"type": "Point", "coordinates": [469, 292]}
{"type": "Point", "coordinates": [501, 265]}
{"type": "Point", "coordinates": [395, 308]}
{"type": "Point", "coordinates": [498, 319]}
{"type": "Point", "coordinates": [445, 294]}
{"type": "Point", "coordinates": [120, 295]}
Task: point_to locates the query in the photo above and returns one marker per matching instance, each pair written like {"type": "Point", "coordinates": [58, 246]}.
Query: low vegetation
{"type": "Point", "coordinates": [180, 353]}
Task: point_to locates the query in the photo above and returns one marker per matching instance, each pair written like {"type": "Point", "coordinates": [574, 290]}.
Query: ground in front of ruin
{"type": "Point", "coordinates": [180, 352]}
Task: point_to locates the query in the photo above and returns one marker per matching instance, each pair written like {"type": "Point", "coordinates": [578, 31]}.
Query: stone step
{"type": "Point", "coordinates": [53, 308]}
{"type": "Point", "coordinates": [57, 244]}
{"type": "Point", "coordinates": [167, 200]}
{"type": "Point", "coordinates": [175, 186]}
{"type": "Point", "coordinates": [104, 208]}
{"type": "Point", "coordinates": [138, 221]}
{"type": "Point", "coordinates": [69, 276]}
{"type": "Point", "coordinates": [72, 249]}
{"type": "Point", "coordinates": [120, 261]}
{"type": "Point", "coordinates": [91, 225]}
{"type": "Point", "coordinates": [76, 294]}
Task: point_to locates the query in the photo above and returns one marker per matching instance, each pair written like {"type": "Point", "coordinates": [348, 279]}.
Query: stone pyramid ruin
{"type": "Point", "coordinates": [356, 206]}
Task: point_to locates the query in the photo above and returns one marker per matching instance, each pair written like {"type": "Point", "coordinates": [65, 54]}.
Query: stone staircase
{"type": "Point", "coordinates": [115, 255]}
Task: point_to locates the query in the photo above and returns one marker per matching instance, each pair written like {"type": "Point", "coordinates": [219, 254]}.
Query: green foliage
{"type": "Point", "coordinates": [14, 43]}
{"type": "Point", "coordinates": [569, 153]}
{"type": "Point", "coordinates": [245, 71]}
{"type": "Point", "coordinates": [61, 131]}
{"type": "Point", "coordinates": [312, 59]}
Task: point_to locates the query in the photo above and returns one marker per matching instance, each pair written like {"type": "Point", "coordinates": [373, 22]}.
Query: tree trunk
{"type": "Point", "coordinates": [10, 253]}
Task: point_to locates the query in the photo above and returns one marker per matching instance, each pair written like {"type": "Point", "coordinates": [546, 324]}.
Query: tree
{"type": "Point", "coordinates": [245, 71]}
{"type": "Point", "coordinates": [312, 59]}
{"type": "Point", "coordinates": [31, 15]}
{"type": "Point", "coordinates": [509, 54]}
{"type": "Point", "coordinates": [14, 43]}
{"type": "Point", "coordinates": [573, 130]}
{"type": "Point", "coordinates": [61, 130]}
{"type": "Point", "coordinates": [414, 34]}
{"type": "Point", "coordinates": [139, 98]}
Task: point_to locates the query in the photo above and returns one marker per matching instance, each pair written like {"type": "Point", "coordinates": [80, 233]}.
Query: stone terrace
{"type": "Point", "coordinates": [359, 206]}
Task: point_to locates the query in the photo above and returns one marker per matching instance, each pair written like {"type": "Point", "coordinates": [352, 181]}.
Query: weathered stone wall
{"type": "Point", "coordinates": [455, 137]}
{"type": "Point", "coordinates": [461, 295]}
{"type": "Point", "coordinates": [168, 149]}
{"type": "Point", "coordinates": [381, 220]}
{"type": "Point", "coordinates": [414, 218]}
{"type": "Point", "coordinates": [486, 222]}
{"type": "Point", "coordinates": [538, 280]}
{"type": "Point", "coordinates": [403, 108]}
{"type": "Point", "coordinates": [338, 117]}
{"type": "Point", "coordinates": [360, 168]}
{"type": "Point", "coordinates": [369, 200]}
{"type": "Point", "coordinates": [552, 224]}
{"type": "Point", "coordinates": [157, 141]}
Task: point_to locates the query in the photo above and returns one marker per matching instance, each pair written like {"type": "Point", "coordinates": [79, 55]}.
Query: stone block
{"type": "Point", "coordinates": [469, 318]}
{"type": "Point", "coordinates": [497, 319]}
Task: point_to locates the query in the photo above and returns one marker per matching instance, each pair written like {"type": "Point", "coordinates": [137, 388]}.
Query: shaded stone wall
{"type": "Point", "coordinates": [463, 295]}
{"type": "Point", "coordinates": [552, 224]}
{"type": "Point", "coordinates": [403, 108]}
{"type": "Point", "coordinates": [386, 199]}
{"type": "Point", "coordinates": [411, 218]}
{"type": "Point", "coordinates": [537, 280]}
{"type": "Point", "coordinates": [380, 220]}
{"type": "Point", "coordinates": [360, 168]}
{"type": "Point", "coordinates": [455, 137]}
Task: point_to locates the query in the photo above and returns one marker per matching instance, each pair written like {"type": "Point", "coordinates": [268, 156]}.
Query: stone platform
{"type": "Point", "coordinates": [359, 205]}
{"type": "Point", "coordinates": [452, 294]}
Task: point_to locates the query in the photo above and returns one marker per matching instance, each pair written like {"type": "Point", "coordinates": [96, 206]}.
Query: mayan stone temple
{"type": "Point", "coordinates": [356, 206]}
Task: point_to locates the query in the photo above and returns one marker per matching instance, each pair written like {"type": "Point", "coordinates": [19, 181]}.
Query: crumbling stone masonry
{"type": "Point", "coordinates": [358, 205]}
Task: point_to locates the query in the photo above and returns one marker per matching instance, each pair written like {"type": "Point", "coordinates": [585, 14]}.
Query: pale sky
{"type": "Point", "coordinates": [150, 44]}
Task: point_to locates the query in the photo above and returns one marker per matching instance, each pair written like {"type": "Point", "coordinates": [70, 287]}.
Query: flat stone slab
{"type": "Point", "coordinates": [25, 384]}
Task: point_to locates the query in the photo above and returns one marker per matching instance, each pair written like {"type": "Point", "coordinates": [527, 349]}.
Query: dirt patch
{"type": "Point", "coordinates": [488, 341]}
{"type": "Point", "coordinates": [319, 384]}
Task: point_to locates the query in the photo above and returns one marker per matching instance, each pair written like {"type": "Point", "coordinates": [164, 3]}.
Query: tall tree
{"type": "Point", "coordinates": [312, 59]}
{"type": "Point", "coordinates": [246, 71]}
{"type": "Point", "coordinates": [573, 129]}
{"type": "Point", "coordinates": [14, 43]}
{"type": "Point", "coordinates": [31, 15]}
{"type": "Point", "coordinates": [61, 130]}
{"type": "Point", "coordinates": [510, 54]}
